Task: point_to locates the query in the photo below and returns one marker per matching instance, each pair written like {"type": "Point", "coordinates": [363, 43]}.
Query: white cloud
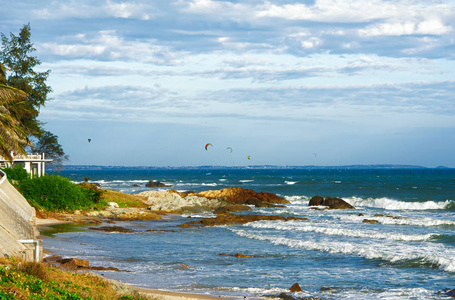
{"type": "Point", "coordinates": [427, 27]}
{"type": "Point", "coordinates": [127, 10]}
{"type": "Point", "coordinates": [342, 11]}
{"type": "Point", "coordinates": [107, 45]}
{"type": "Point", "coordinates": [84, 10]}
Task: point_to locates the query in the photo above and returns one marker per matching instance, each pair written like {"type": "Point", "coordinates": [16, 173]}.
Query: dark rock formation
{"type": "Point", "coordinates": [112, 229]}
{"type": "Point", "coordinates": [237, 219]}
{"type": "Point", "coordinates": [295, 288]}
{"type": "Point", "coordinates": [370, 221]}
{"type": "Point", "coordinates": [231, 208]}
{"type": "Point", "coordinates": [79, 264]}
{"type": "Point", "coordinates": [74, 263]}
{"type": "Point", "coordinates": [153, 183]}
{"type": "Point", "coordinates": [332, 203]}
{"type": "Point", "coordinates": [238, 255]}
{"type": "Point", "coordinates": [316, 201]}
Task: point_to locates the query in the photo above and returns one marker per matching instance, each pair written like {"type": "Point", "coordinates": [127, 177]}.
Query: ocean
{"type": "Point", "coordinates": [409, 253]}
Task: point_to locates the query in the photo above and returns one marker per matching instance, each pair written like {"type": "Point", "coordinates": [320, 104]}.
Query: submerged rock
{"type": "Point", "coordinates": [153, 183]}
{"type": "Point", "coordinates": [112, 229]}
{"type": "Point", "coordinates": [237, 219]}
{"type": "Point", "coordinates": [238, 255]}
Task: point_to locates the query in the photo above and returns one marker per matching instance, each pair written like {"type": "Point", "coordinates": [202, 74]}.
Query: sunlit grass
{"type": "Point", "coordinates": [30, 280]}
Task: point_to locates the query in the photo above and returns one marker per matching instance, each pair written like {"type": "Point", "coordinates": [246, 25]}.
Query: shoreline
{"type": "Point", "coordinates": [145, 292]}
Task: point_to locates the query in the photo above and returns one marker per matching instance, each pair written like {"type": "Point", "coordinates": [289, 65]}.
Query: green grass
{"type": "Point", "coordinates": [39, 281]}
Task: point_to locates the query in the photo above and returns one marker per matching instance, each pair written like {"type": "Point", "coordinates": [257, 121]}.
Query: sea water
{"type": "Point", "coordinates": [408, 253]}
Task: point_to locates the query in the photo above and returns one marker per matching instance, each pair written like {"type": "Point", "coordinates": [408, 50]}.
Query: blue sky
{"type": "Point", "coordinates": [151, 82]}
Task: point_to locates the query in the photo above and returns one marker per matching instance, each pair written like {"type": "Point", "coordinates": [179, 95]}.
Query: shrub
{"type": "Point", "coordinates": [55, 193]}
{"type": "Point", "coordinates": [17, 172]}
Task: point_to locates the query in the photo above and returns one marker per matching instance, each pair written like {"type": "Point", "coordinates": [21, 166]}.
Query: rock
{"type": "Point", "coordinates": [316, 201]}
{"type": "Point", "coordinates": [74, 263]}
{"type": "Point", "coordinates": [231, 208]}
{"type": "Point", "coordinates": [153, 183]}
{"type": "Point", "coordinates": [112, 229]}
{"type": "Point", "coordinates": [370, 221]}
{"type": "Point", "coordinates": [332, 203]}
{"type": "Point", "coordinates": [295, 288]}
{"type": "Point", "coordinates": [237, 219]}
{"type": "Point", "coordinates": [240, 195]}
{"type": "Point", "coordinates": [113, 205]}
{"type": "Point", "coordinates": [236, 255]}
{"type": "Point", "coordinates": [174, 203]}
{"type": "Point", "coordinates": [53, 258]}
{"type": "Point", "coordinates": [337, 203]}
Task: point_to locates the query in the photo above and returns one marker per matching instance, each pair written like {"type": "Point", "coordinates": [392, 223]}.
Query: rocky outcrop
{"type": "Point", "coordinates": [223, 201]}
{"type": "Point", "coordinates": [74, 264]}
{"type": "Point", "coordinates": [332, 203]}
{"type": "Point", "coordinates": [239, 195]}
{"type": "Point", "coordinates": [121, 214]}
{"type": "Point", "coordinates": [173, 202]}
{"type": "Point", "coordinates": [153, 183]}
{"type": "Point", "coordinates": [237, 219]}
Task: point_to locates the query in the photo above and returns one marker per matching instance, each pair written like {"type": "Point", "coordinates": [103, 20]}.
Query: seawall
{"type": "Point", "coordinates": [18, 233]}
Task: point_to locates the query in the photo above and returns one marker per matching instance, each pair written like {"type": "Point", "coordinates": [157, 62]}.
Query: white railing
{"type": "Point", "coordinates": [24, 157]}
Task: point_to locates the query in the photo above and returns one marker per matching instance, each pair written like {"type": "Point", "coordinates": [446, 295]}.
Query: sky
{"type": "Point", "coordinates": [322, 82]}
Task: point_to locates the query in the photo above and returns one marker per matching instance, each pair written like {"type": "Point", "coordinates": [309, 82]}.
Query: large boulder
{"type": "Point", "coordinates": [337, 203]}
{"type": "Point", "coordinates": [316, 201]}
{"type": "Point", "coordinates": [333, 203]}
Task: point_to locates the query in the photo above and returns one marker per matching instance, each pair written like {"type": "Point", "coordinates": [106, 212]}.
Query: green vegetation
{"type": "Point", "coordinates": [16, 173]}
{"type": "Point", "coordinates": [31, 280]}
{"type": "Point", "coordinates": [55, 193]}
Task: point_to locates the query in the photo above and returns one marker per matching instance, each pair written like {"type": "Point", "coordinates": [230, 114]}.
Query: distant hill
{"type": "Point", "coordinates": [311, 167]}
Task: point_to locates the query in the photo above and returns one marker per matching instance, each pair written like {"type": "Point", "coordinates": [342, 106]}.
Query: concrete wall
{"type": "Point", "coordinates": [17, 223]}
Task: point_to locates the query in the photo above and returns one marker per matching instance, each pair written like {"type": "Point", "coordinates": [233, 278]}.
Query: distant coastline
{"type": "Point", "coordinates": [256, 167]}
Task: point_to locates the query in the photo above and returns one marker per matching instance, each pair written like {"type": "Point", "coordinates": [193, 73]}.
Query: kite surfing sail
{"type": "Point", "coordinates": [208, 144]}
{"type": "Point", "coordinates": [230, 149]}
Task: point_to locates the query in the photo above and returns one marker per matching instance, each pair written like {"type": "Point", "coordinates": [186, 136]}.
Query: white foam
{"type": "Point", "coordinates": [435, 254]}
{"type": "Point", "coordinates": [290, 182]}
{"type": "Point", "coordinates": [391, 204]}
{"type": "Point", "coordinates": [297, 199]}
{"type": "Point", "coordinates": [421, 222]}
{"type": "Point", "coordinates": [299, 226]}
{"type": "Point", "coordinates": [246, 180]}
